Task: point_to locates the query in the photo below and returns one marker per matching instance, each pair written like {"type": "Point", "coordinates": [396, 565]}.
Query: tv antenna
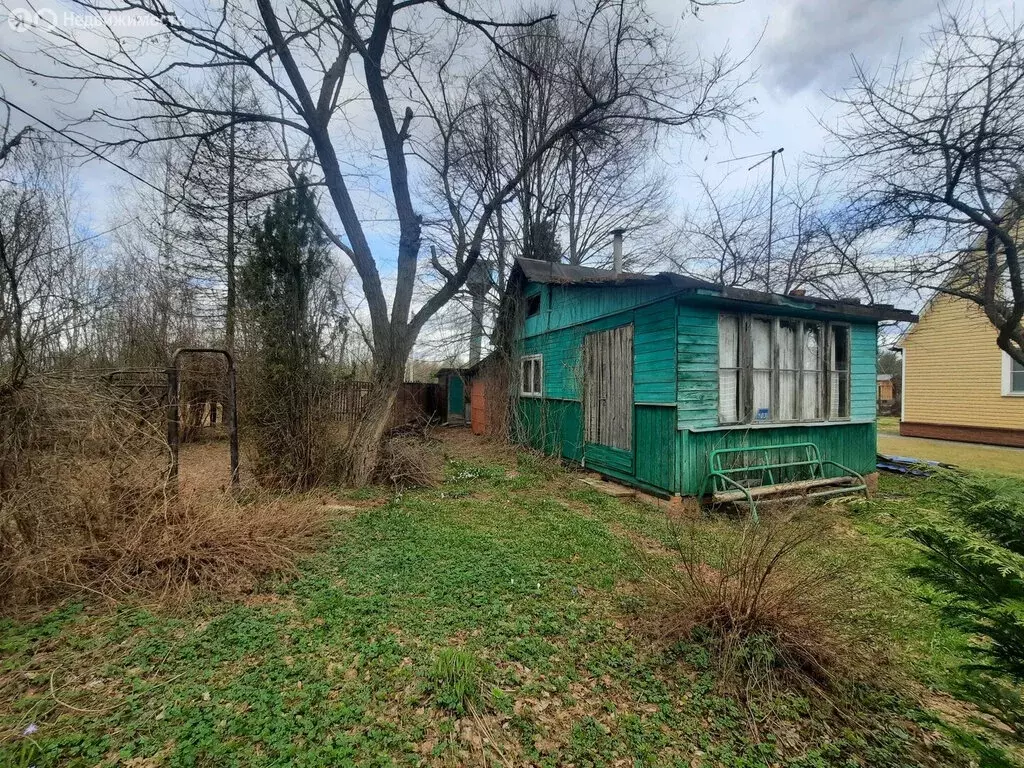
{"type": "Point", "coordinates": [765, 157]}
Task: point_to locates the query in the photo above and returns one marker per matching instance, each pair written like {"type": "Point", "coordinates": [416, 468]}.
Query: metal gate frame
{"type": "Point", "coordinates": [173, 416]}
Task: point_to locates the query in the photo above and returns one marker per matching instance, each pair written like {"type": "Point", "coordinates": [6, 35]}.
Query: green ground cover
{"type": "Point", "coordinates": [494, 620]}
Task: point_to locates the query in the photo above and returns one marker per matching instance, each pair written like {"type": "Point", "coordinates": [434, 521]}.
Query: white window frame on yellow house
{"type": "Point", "coordinates": [1008, 389]}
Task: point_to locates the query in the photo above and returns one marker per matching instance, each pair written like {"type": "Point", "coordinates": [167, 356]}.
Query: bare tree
{"type": "Point", "coordinates": [44, 301]}
{"type": "Point", "coordinates": [814, 246]}
{"type": "Point", "coordinates": [224, 178]}
{"type": "Point", "coordinates": [416, 62]}
{"type": "Point", "coordinates": [936, 153]}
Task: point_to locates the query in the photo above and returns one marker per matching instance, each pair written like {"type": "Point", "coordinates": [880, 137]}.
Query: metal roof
{"type": "Point", "coordinates": [537, 271]}
{"type": "Point", "coordinates": [547, 272]}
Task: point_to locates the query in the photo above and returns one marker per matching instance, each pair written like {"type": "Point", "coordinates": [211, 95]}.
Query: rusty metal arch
{"type": "Point", "coordinates": [173, 417]}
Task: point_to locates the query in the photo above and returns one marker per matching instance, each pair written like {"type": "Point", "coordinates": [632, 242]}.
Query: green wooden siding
{"type": "Point", "coordinates": [653, 354]}
{"type": "Point", "coordinates": [675, 386]}
{"type": "Point", "coordinates": [563, 306]}
{"type": "Point", "coordinates": [697, 366]}
{"type": "Point", "coordinates": [863, 370]}
{"type": "Point", "coordinates": [554, 424]}
{"type": "Point", "coordinates": [654, 351]}
{"type": "Point", "coordinates": [852, 445]}
{"type": "Point", "coordinates": [655, 431]}
{"type": "Point", "coordinates": [600, 457]}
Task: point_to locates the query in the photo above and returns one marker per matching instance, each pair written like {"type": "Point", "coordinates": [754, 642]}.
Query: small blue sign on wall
{"type": "Point", "coordinates": [762, 414]}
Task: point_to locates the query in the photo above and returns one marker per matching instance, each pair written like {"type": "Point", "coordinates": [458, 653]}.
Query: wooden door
{"type": "Point", "coordinates": [456, 399]}
{"type": "Point", "coordinates": [608, 388]}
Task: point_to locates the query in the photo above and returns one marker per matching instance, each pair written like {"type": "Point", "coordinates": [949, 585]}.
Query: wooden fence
{"type": "Point", "coordinates": [416, 402]}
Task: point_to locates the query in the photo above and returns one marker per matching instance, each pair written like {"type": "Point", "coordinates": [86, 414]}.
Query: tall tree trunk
{"type": "Point", "coordinates": [476, 328]}
{"type": "Point", "coordinates": [367, 434]}
{"type": "Point", "coordinates": [164, 266]}
{"type": "Point", "coordinates": [229, 308]}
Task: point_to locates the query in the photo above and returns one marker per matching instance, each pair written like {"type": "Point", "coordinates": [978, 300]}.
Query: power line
{"type": "Point", "coordinates": [76, 142]}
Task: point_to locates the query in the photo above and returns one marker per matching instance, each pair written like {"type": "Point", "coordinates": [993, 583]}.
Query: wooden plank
{"type": "Point", "coordinates": [608, 387]}
{"type": "Point", "coordinates": [797, 485]}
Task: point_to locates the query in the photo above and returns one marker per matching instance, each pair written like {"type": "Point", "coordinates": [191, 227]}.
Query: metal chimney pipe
{"type": "Point", "coordinates": [617, 251]}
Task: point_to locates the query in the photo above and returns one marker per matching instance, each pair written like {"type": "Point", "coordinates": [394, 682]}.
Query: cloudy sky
{"type": "Point", "coordinates": [803, 52]}
{"type": "Point", "coordinates": [800, 51]}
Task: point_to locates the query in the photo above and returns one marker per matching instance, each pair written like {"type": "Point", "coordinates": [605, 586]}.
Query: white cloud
{"type": "Point", "coordinates": [809, 42]}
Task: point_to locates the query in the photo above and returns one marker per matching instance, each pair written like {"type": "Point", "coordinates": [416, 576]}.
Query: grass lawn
{"type": "Point", "coordinates": [494, 620]}
{"type": "Point", "coordinates": [972, 456]}
{"type": "Point", "coordinates": [889, 425]}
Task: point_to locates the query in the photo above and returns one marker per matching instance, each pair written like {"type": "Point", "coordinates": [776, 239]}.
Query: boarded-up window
{"type": "Point", "coordinates": [608, 387]}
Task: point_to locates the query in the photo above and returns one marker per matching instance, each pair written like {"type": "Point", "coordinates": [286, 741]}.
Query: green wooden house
{"type": "Point", "coordinates": [642, 377]}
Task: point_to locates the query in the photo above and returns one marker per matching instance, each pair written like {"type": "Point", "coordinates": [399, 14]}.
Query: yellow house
{"type": "Point", "coordinates": [957, 384]}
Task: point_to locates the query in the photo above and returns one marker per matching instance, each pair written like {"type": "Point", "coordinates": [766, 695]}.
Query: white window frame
{"type": "Point", "coordinates": [1007, 378]}
{"type": "Point", "coordinates": [535, 391]}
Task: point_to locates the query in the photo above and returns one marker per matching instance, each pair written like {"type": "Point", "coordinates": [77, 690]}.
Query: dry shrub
{"type": "Point", "coordinates": [293, 445]}
{"type": "Point", "coordinates": [775, 612]}
{"type": "Point", "coordinates": [85, 504]}
{"type": "Point", "coordinates": [409, 461]}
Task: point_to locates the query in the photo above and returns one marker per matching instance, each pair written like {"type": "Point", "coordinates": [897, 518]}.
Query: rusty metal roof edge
{"type": "Point", "coordinates": [568, 274]}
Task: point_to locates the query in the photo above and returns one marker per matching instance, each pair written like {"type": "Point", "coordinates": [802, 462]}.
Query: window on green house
{"type": "Point", "coordinates": [531, 376]}
{"type": "Point", "coordinates": [729, 369]}
{"type": "Point", "coordinates": [777, 369]}
{"type": "Point", "coordinates": [811, 396]}
{"type": "Point", "coordinates": [533, 305]}
{"type": "Point", "coordinates": [839, 371]}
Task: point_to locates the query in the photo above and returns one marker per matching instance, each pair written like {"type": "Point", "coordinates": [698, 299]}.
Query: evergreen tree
{"type": "Point", "coordinates": [278, 280]}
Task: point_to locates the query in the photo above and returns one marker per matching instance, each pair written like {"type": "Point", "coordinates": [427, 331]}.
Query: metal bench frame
{"type": "Point", "coordinates": [723, 487]}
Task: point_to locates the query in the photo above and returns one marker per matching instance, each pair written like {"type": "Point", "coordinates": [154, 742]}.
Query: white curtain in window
{"type": "Point", "coordinates": [788, 351]}
{"type": "Point", "coordinates": [761, 356]}
{"type": "Point", "coordinates": [810, 400]}
{"type": "Point", "coordinates": [728, 368]}
{"type": "Point", "coordinates": [728, 396]}
{"type": "Point", "coordinates": [839, 376]}
{"type": "Point", "coordinates": [728, 341]}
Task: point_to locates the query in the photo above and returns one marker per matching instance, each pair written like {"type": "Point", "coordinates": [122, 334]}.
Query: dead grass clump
{"type": "Point", "coordinates": [85, 505]}
{"type": "Point", "coordinates": [178, 546]}
{"type": "Point", "coordinates": [775, 614]}
{"type": "Point", "coordinates": [409, 461]}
